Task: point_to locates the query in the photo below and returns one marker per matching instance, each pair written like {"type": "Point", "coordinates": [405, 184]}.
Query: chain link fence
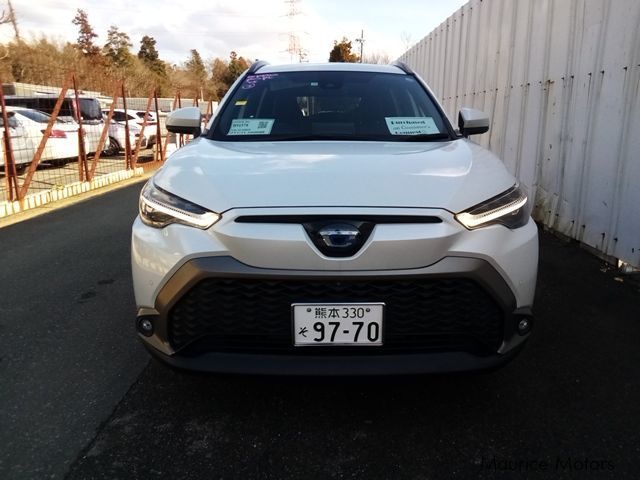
{"type": "Point", "coordinates": [72, 134]}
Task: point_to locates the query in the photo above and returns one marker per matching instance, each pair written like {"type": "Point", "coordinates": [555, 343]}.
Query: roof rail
{"type": "Point", "coordinates": [257, 65]}
{"type": "Point", "coordinates": [403, 66]}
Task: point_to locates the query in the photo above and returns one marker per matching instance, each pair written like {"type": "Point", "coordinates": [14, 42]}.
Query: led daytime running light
{"type": "Point", "coordinates": [150, 205]}
{"type": "Point", "coordinates": [472, 221]}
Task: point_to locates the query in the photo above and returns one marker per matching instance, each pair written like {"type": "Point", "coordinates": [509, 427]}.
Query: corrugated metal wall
{"type": "Point", "coordinates": [561, 81]}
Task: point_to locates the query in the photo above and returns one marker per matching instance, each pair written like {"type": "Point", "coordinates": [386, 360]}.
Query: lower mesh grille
{"type": "Point", "coordinates": [251, 315]}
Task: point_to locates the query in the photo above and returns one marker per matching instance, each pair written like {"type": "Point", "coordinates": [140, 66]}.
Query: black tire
{"type": "Point", "coordinates": [113, 149]}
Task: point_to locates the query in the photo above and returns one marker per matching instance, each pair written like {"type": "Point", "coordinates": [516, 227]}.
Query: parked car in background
{"type": "Point", "coordinates": [152, 119]}
{"type": "Point", "coordinates": [333, 221]}
{"type": "Point", "coordinates": [88, 112]}
{"type": "Point", "coordinates": [117, 137]}
{"type": "Point", "coordinates": [21, 144]}
{"type": "Point", "coordinates": [62, 144]}
{"type": "Point", "coordinates": [137, 117]}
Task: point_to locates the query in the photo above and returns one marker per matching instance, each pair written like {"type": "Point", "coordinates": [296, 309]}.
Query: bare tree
{"type": "Point", "coordinates": [405, 38]}
{"type": "Point", "coordinates": [10, 18]}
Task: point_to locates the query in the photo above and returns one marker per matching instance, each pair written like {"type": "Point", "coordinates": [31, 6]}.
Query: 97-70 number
{"type": "Point", "coordinates": [372, 331]}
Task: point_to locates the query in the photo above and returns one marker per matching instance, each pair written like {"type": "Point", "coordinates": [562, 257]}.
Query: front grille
{"type": "Point", "coordinates": [254, 316]}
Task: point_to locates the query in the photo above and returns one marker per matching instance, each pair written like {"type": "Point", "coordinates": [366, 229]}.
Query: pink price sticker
{"type": "Point", "coordinates": [252, 80]}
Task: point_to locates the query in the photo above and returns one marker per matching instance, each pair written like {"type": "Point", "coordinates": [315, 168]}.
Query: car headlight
{"type": "Point", "coordinates": [510, 208]}
{"type": "Point", "coordinates": [159, 209]}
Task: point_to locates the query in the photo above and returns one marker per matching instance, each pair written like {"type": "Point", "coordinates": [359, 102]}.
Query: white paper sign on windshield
{"type": "Point", "coordinates": [411, 125]}
{"type": "Point", "coordinates": [251, 126]}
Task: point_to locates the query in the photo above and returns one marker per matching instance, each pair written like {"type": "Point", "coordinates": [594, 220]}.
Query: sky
{"type": "Point", "coordinates": [255, 29]}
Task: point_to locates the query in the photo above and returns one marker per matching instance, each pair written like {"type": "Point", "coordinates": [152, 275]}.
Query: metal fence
{"type": "Point", "coordinates": [61, 139]}
{"type": "Point", "coordinates": [561, 81]}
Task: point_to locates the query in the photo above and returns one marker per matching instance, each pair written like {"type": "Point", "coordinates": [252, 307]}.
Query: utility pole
{"type": "Point", "coordinates": [361, 42]}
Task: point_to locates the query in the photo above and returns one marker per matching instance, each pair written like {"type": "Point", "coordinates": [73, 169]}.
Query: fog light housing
{"type": "Point", "coordinates": [145, 326]}
{"type": "Point", "coordinates": [524, 326]}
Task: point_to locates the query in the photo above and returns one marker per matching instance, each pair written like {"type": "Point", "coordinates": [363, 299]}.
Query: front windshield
{"type": "Point", "coordinates": [35, 115]}
{"type": "Point", "coordinates": [338, 105]}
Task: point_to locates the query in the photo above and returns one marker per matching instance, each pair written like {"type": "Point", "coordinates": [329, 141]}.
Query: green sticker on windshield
{"type": "Point", "coordinates": [411, 125]}
{"type": "Point", "coordinates": [251, 126]}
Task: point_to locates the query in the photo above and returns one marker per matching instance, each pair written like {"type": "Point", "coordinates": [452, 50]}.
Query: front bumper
{"type": "Point", "coordinates": [408, 364]}
{"type": "Point", "coordinates": [168, 342]}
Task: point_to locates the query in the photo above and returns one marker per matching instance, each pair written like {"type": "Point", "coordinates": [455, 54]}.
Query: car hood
{"type": "Point", "coordinates": [220, 176]}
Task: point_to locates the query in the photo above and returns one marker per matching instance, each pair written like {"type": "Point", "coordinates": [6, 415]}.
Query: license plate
{"type": "Point", "coordinates": [337, 323]}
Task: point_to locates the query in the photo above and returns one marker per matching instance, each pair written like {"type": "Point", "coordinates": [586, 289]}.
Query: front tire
{"type": "Point", "coordinates": [113, 149]}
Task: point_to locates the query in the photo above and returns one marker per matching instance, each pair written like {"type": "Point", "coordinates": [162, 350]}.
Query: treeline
{"type": "Point", "coordinates": [46, 62]}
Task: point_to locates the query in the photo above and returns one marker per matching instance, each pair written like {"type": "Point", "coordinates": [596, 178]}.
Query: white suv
{"type": "Point", "coordinates": [332, 221]}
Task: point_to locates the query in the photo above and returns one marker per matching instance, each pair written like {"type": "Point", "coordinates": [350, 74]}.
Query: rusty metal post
{"type": "Point", "coordinates": [127, 142]}
{"type": "Point", "coordinates": [45, 136]}
{"type": "Point", "coordinates": [159, 153]}
{"type": "Point", "coordinates": [166, 138]}
{"type": "Point", "coordinates": [142, 127]}
{"type": "Point", "coordinates": [83, 168]}
{"type": "Point", "coordinates": [209, 112]}
{"type": "Point", "coordinates": [181, 137]}
{"type": "Point", "coordinates": [9, 163]}
{"type": "Point", "coordinates": [103, 136]}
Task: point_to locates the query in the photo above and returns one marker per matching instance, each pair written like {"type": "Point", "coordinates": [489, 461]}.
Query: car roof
{"type": "Point", "coordinates": [330, 67]}
{"type": "Point", "coordinates": [70, 96]}
{"type": "Point", "coordinates": [15, 109]}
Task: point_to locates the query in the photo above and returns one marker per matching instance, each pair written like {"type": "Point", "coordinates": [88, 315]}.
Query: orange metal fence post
{"type": "Point", "coordinates": [45, 136]}
{"type": "Point", "coordinates": [9, 163]}
{"type": "Point", "coordinates": [181, 137]}
{"type": "Point", "coordinates": [166, 137]}
{"type": "Point", "coordinates": [142, 127]}
{"type": "Point", "coordinates": [209, 112]}
{"type": "Point", "coordinates": [83, 168]}
{"type": "Point", "coordinates": [103, 136]}
{"type": "Point", "coordinates": [127, 142]}
{"type": "Point", "coordinates": [159, 153]}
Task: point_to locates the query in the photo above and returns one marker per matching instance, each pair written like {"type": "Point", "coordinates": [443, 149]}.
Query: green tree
{"type": "Point", "coordinates": [117, 48]}
{"type": "Point", "coordinates": [149, 55]}
{"type": "Point", "coordinates": [236, 66]}
{"type": "Point", "coordinates": [86, 34]}
{"type": "Point", "coordinates": [341, 52]}
{"type": "Point", "coordinates": [195, 67]}
{"type": "Point", "coordinates": [219, 76]}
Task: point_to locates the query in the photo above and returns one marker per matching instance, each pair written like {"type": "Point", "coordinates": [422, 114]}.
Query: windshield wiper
{"type": "Point", "coordinates": [426, 137]}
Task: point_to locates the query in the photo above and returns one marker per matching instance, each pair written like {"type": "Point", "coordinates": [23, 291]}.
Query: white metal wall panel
{"type": "Point", "coordinates": [561, 81]}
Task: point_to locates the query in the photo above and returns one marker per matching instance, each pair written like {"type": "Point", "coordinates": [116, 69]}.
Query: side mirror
{"type": "Point", "coordinates": [185, 120]}
{"type": "Point", "coordinates": [472, 121]}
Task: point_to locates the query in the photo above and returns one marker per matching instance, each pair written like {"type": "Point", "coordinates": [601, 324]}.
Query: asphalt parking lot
{"type": "Point", "coordinates": [81, 400]}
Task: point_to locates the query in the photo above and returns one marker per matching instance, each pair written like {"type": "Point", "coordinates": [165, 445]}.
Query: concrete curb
{"type": "Point", "coordinates": [61, 192]}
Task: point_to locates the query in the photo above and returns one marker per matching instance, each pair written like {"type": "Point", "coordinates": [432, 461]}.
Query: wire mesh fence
{"type": "Point", "coordinates": [74, 130]}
